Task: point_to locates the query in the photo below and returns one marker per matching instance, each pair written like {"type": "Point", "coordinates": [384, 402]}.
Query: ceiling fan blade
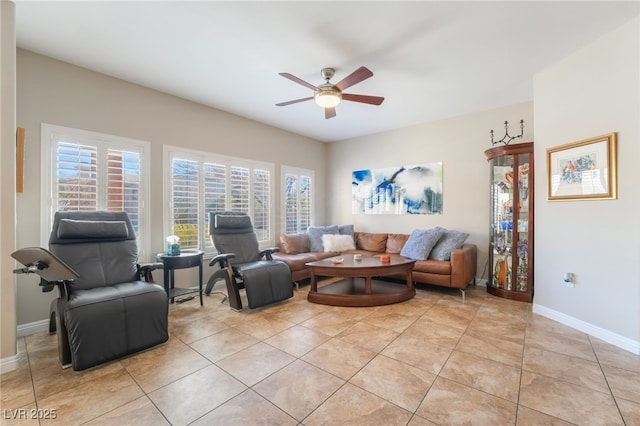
{"type": "Point", "coordinates": [355, 77]}
{"type": "Point", "coordinates": [297, 80]}
{"type": "Point", "coordinates": [373, 100]}
{"type": "Point", "coordinates": [295, 101]}
{"type": "Point", "coordinates": [329, 113]}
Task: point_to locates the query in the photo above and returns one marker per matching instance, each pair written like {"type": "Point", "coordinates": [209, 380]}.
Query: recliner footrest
{"type": "Point", "coordinates": [266, 282]}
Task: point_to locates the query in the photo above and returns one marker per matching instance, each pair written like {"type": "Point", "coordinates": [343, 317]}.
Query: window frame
{"type": "Point", "coordinates": [298, 172]}
{"type": "Point", "coordinates": [52, 134]}
{"type": "Point", "coordinates": [173, 152]}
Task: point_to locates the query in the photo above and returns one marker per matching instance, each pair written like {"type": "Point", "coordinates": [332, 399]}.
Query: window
{"type": "Point", "coordinates": [87, 171]}
{"type": "Point", "coordinates": [201, 182]}
{"type": "Point", "coordinates": [297, 199]}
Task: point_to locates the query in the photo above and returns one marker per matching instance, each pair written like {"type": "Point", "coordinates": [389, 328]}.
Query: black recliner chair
{"type": "Point", "coordinates": [107, 311]}
{"type": "Point", "coordinates": [243, 265]}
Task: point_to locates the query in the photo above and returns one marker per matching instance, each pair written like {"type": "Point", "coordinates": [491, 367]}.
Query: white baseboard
{"type": "Point", "coordinates": [10, 363]}
{"type": "Point", "coordinates": [592, 330]}
{"type": "Point", "coordinates": [32, 328]}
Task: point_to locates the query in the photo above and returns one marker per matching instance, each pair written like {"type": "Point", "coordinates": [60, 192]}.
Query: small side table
{"type": "Point", "coordinates": [186, 259]}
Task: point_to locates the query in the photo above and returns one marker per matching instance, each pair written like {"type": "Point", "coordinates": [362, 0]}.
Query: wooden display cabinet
{"type": "Point", "coordinates": [511, 221]}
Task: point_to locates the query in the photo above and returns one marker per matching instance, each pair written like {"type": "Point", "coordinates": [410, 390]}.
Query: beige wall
{"type": "Point", "coordinates": [55, 92]}
{"type": "Point", "coordinates": [459, 143]}
{"type": "Point", "coordinates": [592, 92]}
{"type": "Point", "coordinates": [7, 192]}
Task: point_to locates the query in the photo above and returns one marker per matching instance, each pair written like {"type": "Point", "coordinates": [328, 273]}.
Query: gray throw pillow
{"type": "Point", "coordinates": [420, 243]}
{"type": "Point", "coordinates": [450, 241]}
{"type": "Point", "coordinates": [345, 230]}
{"type": "Point", "coordinates": [315, 234]}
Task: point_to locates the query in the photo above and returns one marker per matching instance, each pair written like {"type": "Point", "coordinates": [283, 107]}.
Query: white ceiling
{"type": "Point", "coordinates": [431, 60]}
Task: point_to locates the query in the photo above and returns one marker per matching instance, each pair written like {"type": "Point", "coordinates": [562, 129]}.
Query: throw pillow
{"type": "Point", "coordinates": [315, 234]}
{"type": "Point", "coordinates": [345, 230]}
{"type": "Point", "coordinates": [420, 243]}
{"type": "Point", "coordinates": [372, 242]}
{"type": "Point", "coordinates": [337, 243]}
{"type": "Point", "coordinates": [395, 242]}
{"type": "Point", "coordinates": [294, 243]}
{"type": "Point", "coordinates": [450, 241]}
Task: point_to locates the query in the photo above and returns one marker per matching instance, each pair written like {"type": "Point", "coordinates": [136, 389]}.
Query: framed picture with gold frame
{"type": "Point", "coordinates": [583, 170]}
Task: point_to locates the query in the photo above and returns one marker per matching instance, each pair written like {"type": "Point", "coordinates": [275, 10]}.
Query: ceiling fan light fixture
{"type": "Point", "coordinates": [327, 97]}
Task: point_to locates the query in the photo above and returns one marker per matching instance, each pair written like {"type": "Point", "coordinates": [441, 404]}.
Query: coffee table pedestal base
{"type": "Point", "coordinates": [352, 292]}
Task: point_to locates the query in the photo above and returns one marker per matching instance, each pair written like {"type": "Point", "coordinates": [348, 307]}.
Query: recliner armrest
{"type": "Point", "coordinates": [222, 259]}
{"type": "Point", "coordinates": [145, 269]}
{"type": "Point", "coordinates": [268, 252]}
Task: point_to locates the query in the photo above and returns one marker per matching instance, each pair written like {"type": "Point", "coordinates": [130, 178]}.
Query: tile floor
{"type": "Point", "coordinates": [431, 360]}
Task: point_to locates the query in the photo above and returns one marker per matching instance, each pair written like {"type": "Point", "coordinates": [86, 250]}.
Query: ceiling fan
{"type": "Point", "coordinates": [329, 95]}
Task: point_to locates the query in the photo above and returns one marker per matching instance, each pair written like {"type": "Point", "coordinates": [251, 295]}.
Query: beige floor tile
{"type": "Point", "coordinates": [253, 364]}
{"type": "Point", "coordinates": [567, 401]}
{"type": "Point", "coordinates": [297, 340]}
{"type": "Point", "coordinates": [492, 348]}
{"type": "Point", "coordinates": [630, 411]}
{"type": "Point", "coordinates": [413, 307]}
{"type": "Point", "coordinates": [340, 358]}
{"type": "Point", "coordinates": [140, 412]}
{"type": "Point", "coordinates": [49, 377]}
{"type": "Point", "coordinates": [22, 416]}
{"type": "Point", "coordinates": [19, 381]}
{"type": "Point", "coordinates": [495, 378]}
{"type": "Point", "coordinates": [354, 406]}
{"type": "Point", "coordinates": [612, 355]}
{"type": "Point", "coordinates": [248, 408]}
{"type": "Point", "coordinates": [452, 315]}
{"type": "Point", "coordinates": [223, 344]}
{"type": "Point", "coordinates": [448, 402]}
{"type": "Point", "coordinates": [186, 331]}
{"type": "Point", "coordinates": [163, 365]}
{"type": "Point", "coordinates": [394, 381]}
{"type": "Point", "coordinates": [87, 401]}
{"type": "Point", "coordinates": [390, 321]}
{"type": "Point", "coordinates": [368, 336]}
{"type": "Point", "coordinates": [420, 421]}
{"type": "Point", "coordinates": [193, 396]}
{"type": "Point", "coordinates": [529, 417]}
{"type": "Point", "coordinates": [569, 343]}
{"type": "Point", "coordinates": [330, 323]}
{"type": "Point", "coordinates": [298, 388]}
{"type": "Point", "coordinates": [299, 311]}
{"type": "Point", "coordinates": [439, 334]}
{"type": "Point", "coordinates": [513, 332]}
{"type": "Point", "coordinates": [578, 371]}
{"type": "Point", "coordinates": [418, 352]}
{"type": "Point", "coordinates": [264, 326]}
{"type": "Point", "coordinates": [624, 384]}
{"type": "Point", "coordinates": [301, 354]}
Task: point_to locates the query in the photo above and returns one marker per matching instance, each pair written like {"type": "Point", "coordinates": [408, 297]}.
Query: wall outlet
{"type": "Point", "coordinates": [569, 280]}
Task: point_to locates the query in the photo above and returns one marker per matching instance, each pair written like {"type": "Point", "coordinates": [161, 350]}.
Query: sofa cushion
{"type": "Point", "coordinates": [337, 243]}
{"type": "Point", "coordinates": [420, 243]}
{"type": "Point", "coordinates": [294, 243]}
{"type": "Point", "coordinates": [371, 242]}
{"type": "Point", "coordinates": [395, 242]}
{"type": "Point", "coordinates": [449, 241]}
{"type": "Point", "coordinates": [315, 234]}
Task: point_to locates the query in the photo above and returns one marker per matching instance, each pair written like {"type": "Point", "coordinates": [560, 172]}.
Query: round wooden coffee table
{"type": "Point", "coordinates": [358, 286]}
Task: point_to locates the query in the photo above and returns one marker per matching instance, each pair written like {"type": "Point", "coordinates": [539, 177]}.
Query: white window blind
{"type": "Point", "coordinates": [201, 182]}
{"type": "Point", "coordinates": [297, 199]}
{"type": "Point", "coordinates": [87, 171]}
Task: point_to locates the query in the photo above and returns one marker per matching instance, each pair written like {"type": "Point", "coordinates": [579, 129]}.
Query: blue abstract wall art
{"type": "Point", "coordinates": [398, 190]}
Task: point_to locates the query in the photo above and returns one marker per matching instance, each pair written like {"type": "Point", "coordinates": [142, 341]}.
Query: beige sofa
{"type": "Point", "coordinates": [457, 272]}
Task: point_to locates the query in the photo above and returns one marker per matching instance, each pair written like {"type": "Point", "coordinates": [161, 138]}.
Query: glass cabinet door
{"type": "Point", "coordinates": [511, 219]}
